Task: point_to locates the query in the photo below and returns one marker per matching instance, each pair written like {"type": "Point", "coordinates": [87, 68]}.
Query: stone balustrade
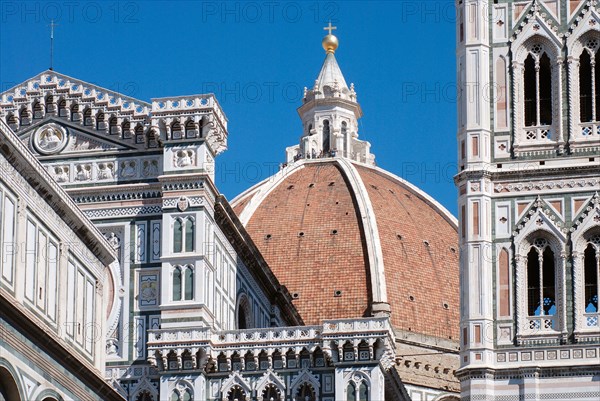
{"type": "Point", "coordinates": [364, 340]}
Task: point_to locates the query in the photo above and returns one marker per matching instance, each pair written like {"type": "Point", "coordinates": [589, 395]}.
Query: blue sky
{"type": "Point", "coordinates": [256, 57]}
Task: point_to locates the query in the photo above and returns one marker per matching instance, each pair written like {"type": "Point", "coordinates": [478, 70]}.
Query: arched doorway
{"type": "Point", "coordinates": [9, 390]}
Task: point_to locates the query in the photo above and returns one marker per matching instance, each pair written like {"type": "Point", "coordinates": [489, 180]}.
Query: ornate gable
{"type": "Point", "coordinates": [581, 16]}
{"type": "Point", "coordinates": [536, 21]}
{"type": "Point", "coordinates": [587, 20]}
{"type": "Point", "coordinates": [587, 218]}
{"type": "Point", "coordinates": [270, 378]}
{"type": "Point", "coordinates": [304, 377]}
{"type": "Point", "coordinates": [539, 217]}
{"type": "Point", "coordinates": [235, 380]}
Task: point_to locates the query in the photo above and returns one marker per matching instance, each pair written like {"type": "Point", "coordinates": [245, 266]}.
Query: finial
{"type": "Point", "coordinates": [330, 42]}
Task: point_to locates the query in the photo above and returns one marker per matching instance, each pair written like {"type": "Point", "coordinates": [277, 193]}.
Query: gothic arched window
{"type": "Point", "coordinates": [189, 283]}
{"type": "Point", "coordinates": [538, 88]}
{"type": "Point", "coordinates": [236, 394]}
{"type": "Point", "coordinates": [177, 283]}
{"type": "Point", "coordinates": [541, 291]}
{"type": "Point", "coordinates": [305, 393]}
{"type": "Point", "coordinates": [184, 395]}
{"type": "Point", "coordinates": [351, 392]}
{"type": "Point", "coordinates": [244, 313]}
{"type": "Point", "coordinates": [183, 234]}
{"type": "Point", "coordinates": [591, 263]}
{"type": "Point", "coordinates": [363, 392]}
{"type": "Point", "coordinates": [271, 393]}
{"type": "Point", "coordinates": [177, 235]}
{"type": "Point", "coordinates": [189, 235]}
{"type": "Point", "coordinates": [589, 86]}
{"type": "Point", "coordinates": [144, 396]}
{"type": "Point", "coordinates": [326, 132]}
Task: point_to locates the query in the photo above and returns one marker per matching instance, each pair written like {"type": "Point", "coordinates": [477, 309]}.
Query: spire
{"type": "Point", "coordinates": [331, 81]}
{"type": "Point", "coordinates": [330, 114]}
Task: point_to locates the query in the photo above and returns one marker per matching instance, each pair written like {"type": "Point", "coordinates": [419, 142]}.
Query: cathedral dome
{"type": "Point", "coordinates": [349, 239]}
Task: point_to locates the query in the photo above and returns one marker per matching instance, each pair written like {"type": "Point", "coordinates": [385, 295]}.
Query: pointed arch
{"type": "Point", "coordinates": [235, 384]}
{"type": "Point", "coordinates": [537, 88]}
{"type": "Point", "coordinates": [270, 380]}
{"type": "Point", "coordinates": [188, 280]}
{"type": "Point", "coordinates": [190, 230]}
{"type": "Point", "coordinates": [244, 317]}
{"type": "Point", "coordinates": [585, 240]}
{"type": "Point", "coordinates": [177, 281]}
{"type": "Point", "coordinates": [305, 384]}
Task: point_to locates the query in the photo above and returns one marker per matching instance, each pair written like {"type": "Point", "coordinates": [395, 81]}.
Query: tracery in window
{"type": "Point", "coordinates": [144, 396]}
{"type": "Point", "coordinates": [236, 394]}
{"type": "Point", "coordinates": [189, 283]}
{"type": "Point", "coordinates": [305, 393]}
{"type": "Point", "coordinates": [363, 392]}
{"type": "Point", "coordinates": [591, 276]}
{"type": "Point", "coordinates": [177, 284]}
{"type": "Point", "coordinates": [271, 393]}
{"type": "Point", "coordinates": [183, 234]}
{"type": "Point", "coordinates": [541, 293]}
{"type": "Point", "coordinates": [183, 395]}
{"type": "Point", "coordinates": [183, 283]}
{"type": "Point", "coordinates": [589, 87]}
{"type": "Point", "coordinates": [351, 392]}
{"type": "Point", "coordinates": [537, 81]}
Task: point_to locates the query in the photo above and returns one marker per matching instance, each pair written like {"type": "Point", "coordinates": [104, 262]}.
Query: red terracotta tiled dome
{"type": "Point", "coordinates": [351, 240]}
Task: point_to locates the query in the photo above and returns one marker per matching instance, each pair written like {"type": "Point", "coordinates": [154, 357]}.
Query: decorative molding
{"type": "Point", "coordinates": [123, 212]}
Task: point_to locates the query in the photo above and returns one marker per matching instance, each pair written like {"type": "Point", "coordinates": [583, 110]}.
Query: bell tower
{"type": "Point", "coordinates": [528, 203]}
{"type": "Point", "coordinates": [330, 114]}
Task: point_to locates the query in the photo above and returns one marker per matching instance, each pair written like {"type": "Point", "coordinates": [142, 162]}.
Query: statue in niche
{"type": "Point", "coordinates": [113, 240]}
{"type": "Point", "coordinates": [105, 171]}
{"type": "Point", "coordinates": [112, 346]}
{"type": "Point", "coordinates": [83, 172]}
